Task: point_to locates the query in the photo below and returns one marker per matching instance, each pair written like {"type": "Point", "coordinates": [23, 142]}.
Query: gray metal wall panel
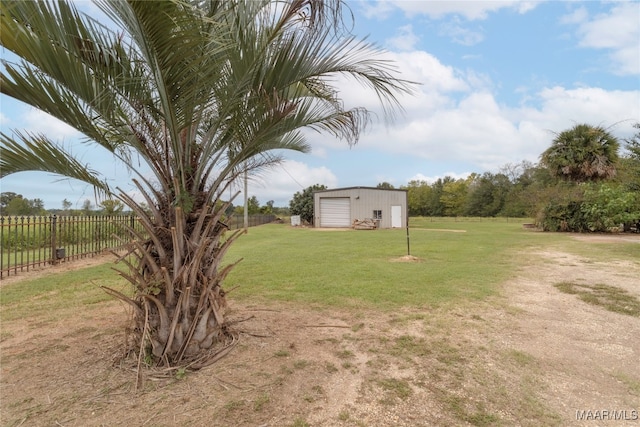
{"type": "Point", "coordinates": [364, 201]}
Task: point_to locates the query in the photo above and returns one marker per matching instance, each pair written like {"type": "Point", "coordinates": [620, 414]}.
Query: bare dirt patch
{"type": "Point", "coordinates": [608, 238]}
{"type": "Point", "coordinates": [532, 356]}
{"type": "Point", "coordinates": [445, 230]}
{"type": "Point", "coordinates": [406, 258]}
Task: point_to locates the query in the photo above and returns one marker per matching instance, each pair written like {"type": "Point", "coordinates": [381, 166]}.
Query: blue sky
{"type": "Point", "coordinates": [496, 80]}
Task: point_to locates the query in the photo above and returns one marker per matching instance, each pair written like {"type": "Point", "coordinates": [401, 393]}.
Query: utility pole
{"type": "Point", "coordinates": [246, 202]}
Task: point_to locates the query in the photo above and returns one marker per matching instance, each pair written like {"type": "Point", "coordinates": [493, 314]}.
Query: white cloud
{"type": "Point", "coordinates": [589, 105]}
{"type": "Point", "coordinates": [480, 132]}
{"type": "Point", "coordinates": [432, 179]}
{"type": "Point", "coordinates": [376, 9]}
{"type": "Point", "coordinates": [282, 182]}
{"type": "Point", "coordinates": [617, 32]}
{"type": "Point", "coordinates": [460, 34]}
{"type": "Point", "coordinates": [435, 81]}
{"type": "Point", "coordinates": [471, 10]}
{"type": "Point", "coordinates": [41, 122]}
{"type": "Point", "coordinates": [404, 40]}
{"type": "Point", "coordinates": [454, 116]}
{"type": "Point", "coordinates": [578, 16]}
{"type": "Point", "coordinates": [422, 67]}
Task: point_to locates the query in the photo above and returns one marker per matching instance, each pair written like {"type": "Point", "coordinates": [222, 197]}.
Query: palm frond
{"type": "Point", "coordinates": [35, 152]}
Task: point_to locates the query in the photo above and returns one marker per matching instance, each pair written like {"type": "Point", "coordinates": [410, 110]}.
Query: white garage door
{"type": "Point", "coordinates": [335, 212]}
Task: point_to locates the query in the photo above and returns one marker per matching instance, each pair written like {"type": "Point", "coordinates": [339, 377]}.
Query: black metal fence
{"type": "Point", "coordinates": [32, 241]}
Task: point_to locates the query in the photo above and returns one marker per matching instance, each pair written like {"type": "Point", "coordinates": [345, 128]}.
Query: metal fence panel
{"type": "Point", "coordinates": [27, 242]}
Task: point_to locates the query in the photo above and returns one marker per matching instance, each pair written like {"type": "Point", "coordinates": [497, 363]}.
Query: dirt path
{"type": "Point", "coordinates": [531, 357]}
{"type": "Point", "coordinates": [590, 357]}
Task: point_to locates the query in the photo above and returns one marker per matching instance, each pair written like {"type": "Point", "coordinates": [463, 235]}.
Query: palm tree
{"type": "Point", "coordinates": [582, 153]}
{"type": "Point", "coordinates": [199, 93]}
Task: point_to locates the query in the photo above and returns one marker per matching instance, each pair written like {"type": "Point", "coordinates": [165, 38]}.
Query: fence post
{"type": "Point", "coordinates": [52, 224]}
{"type": "Point", "coordinates": [2, 246]}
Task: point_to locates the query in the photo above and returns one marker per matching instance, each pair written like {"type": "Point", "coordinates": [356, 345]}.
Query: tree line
{"type": "Point", "coordinates": [13, 204]}
{"type": "Point", "coordinates": [582, 183]}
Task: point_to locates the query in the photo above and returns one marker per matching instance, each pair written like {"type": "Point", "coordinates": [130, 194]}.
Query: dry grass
{"type": "Point", "coordinates": [509, 359]}
{"type": "Point", "coordinates": [609, 297]}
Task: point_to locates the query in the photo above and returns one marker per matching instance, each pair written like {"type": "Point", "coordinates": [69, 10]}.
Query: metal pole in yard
{"type": "Point", "coordinates": [408, 246]}
{"type": "Point", "coordinates": [52, 223]}
{"type": "Point", "coordinates": [246, 202]}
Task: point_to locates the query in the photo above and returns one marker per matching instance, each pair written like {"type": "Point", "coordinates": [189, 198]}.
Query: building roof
{"type": "Point", "coordinates": [359, 188]}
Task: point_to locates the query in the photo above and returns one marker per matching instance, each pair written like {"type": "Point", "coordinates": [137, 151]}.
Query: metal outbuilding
{"type": "Point", "coordinates": [340, 207]}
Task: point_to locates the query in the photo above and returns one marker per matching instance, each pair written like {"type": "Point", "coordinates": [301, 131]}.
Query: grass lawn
{"type": "Point", "coordinates": [390, 337]}
{"type": "Point", "coordinates": [69, 290]}
{"type": "Point", "coordinates": [456, 260]}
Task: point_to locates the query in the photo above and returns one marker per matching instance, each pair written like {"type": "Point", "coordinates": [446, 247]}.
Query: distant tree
{"type": "Point", "coordinates": [16, 204]}
{"type": "Point", "coordinates": [434, 206]}
{"type": "Point", "coordinates": [268, 208]}
{"type": "Point", "coordinates": [253, 205]}
{"type": "Point", "coordinates": [629, 170]}
{"type": "Point", "coordinates": [608, 205]}
{"type": "Point", "coordinates": [454, 196]}
{"type": "Point", "coordinates": [417, 197]}
{"type": "Point", "coordinates": [302, 203]}
{"type": "Point", "coordinates": [513, 170]}
{"type": "Point", "coordinates": [582, 153]}
{"type": "Point", "coordinates": [487, 195]}
{"type": "Point", "coordinates": [5, 199]}
{"type": "Point", "coordinates": [281, 210]}
{"type": "Point", "coordinates": [111, 207]}
{"type": "Point", "coordinates": [633, 143]}
{"type": "Point", "coordinates": [66, 206]}
{"type": "Point", "coordinates": [385, 186]}
{"type": "Point", "coordinates": [87, 207]}
{"type": "Point", "coordinates": [37, 206]}
{"type": "Point", "coordinates": [608, 192]}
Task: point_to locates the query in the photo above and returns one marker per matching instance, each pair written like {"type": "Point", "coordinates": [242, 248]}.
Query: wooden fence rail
{"type": "Point", "coordinates": [27, 242]}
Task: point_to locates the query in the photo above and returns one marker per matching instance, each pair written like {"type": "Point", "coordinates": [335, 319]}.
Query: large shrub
{"type": "Point", "coordinates": [596, 208]}
{"type": "Point", "coordinates": [563, 216]}
{"type": "Point", "coordinates": [302, 203]}
{"type": "Point", "coordinates": [608, 206]}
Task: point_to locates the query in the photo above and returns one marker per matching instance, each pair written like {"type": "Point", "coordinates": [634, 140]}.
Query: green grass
{"type": "Point", "coordinates": [261, 401]}
{"type": "Point", "coordinates": [610, 297]}
{"type": "Point", "coordinates": [343, 268]}
{"type": "Point", "coordinates": [59, 291]}
{"type": "Point", "coordinates": [396, 388]}
{"type": "Point", "coordinates": [354, 268]}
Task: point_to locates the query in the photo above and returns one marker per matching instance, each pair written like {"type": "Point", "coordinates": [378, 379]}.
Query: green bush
{"type": "Point", "coordinates": [597, 208]}
{"type": "Point", "coordinates": [607, 206]}
{"type": "Point", "coordinates": [563, 217]}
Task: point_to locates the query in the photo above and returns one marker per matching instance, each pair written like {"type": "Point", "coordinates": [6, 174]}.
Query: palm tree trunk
{"type": "Point", "coordinates": [179, 304]}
